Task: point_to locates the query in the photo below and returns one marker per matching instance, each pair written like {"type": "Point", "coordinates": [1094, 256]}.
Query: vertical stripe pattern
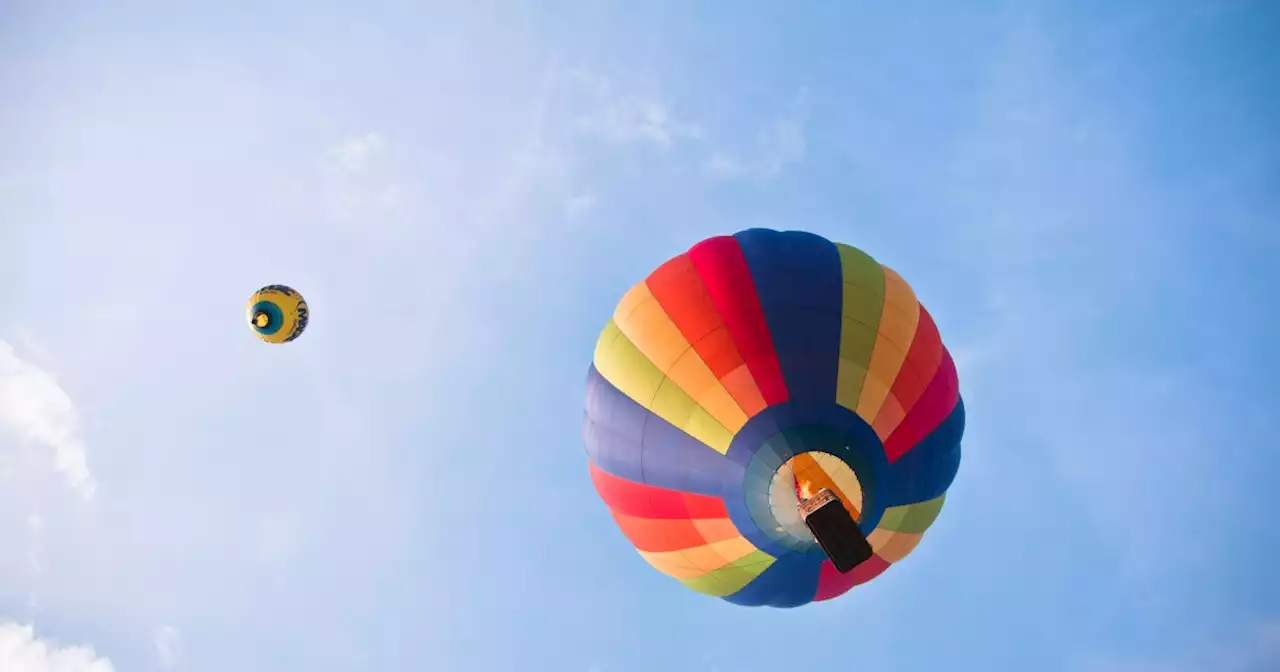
{"type": "Point", "coordinates": [753, 359]}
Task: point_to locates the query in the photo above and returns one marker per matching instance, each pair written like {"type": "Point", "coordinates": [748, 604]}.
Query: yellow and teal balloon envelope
{"type": "Point", "coordinates": [277, 314]}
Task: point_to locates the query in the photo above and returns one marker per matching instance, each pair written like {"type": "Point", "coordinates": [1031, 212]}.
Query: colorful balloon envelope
{"type": "Point", "coordinates": [755, 369]}
{"type": "Point", "coordinates": [278, 314]}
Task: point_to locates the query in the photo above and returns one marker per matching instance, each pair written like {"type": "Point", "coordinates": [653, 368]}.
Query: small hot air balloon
{"type": "Point", "coordinates": [278, 314]}
{"type": "Point", "coordinates": [772, 419]}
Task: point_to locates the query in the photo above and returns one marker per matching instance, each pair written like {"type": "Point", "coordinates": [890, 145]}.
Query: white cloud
{"type": "Point", "coordinates": [359, 178]}
{"type": "Point", "coordinates": [38, 410]}
{"type": "Point", "coordinates": [627, 118]}
{"type": "Point", "coordinates": [613, 115]}
{"type": "Point", "coordinates": [640, 120]}
{"type": "Point", "coordinates": [22, 651]}
{"type": "Point", "coordinates": [722, 165]}
{"type": "Point", "coordinates": [780, 144]}
{"type": "Point", "coordinates": [168, 643]}
{"type": "Point", "coordinates": [358, 153]}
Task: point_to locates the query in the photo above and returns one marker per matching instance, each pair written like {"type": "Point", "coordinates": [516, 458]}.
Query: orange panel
{"type": "Point", "coordinates": [660, 534]}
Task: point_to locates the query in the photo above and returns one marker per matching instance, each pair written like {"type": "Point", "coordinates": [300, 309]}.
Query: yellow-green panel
{"type": "Point", "coordinates": [732, 577]}
{"type": "Point", "coordinates": [678, 408]}
{"type": "Point", "coordinates": [622, 364]}
{"type": "Point", "coordinates": [862, 304]}
{"type": "Point", "coordinates": [912, 518]}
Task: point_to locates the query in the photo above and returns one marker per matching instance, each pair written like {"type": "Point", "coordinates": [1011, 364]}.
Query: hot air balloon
{"type": "Point", "coordinates": [772, 419]}
{"type": "Point", "coordinates": [278, 314]}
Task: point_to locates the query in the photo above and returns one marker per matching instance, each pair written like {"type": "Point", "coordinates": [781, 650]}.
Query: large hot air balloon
{"type": "Point", "coordinates": [755, 379]}
{"type": "Point", "coordinates": [278, 314]}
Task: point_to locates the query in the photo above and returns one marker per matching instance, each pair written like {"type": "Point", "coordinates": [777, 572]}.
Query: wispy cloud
{"type": "Point", "coordinates": [356, 154]}
{"type": "Point", "coordinates": [778, 145]}
{"type": "Point", "coordinates": [625, 117]}
{"type": "Point", "coordinates": [22, 651]}
{"type": "Point", "coordinates": [36, 408]}
{"type": "Point", "coordinates": [619, 115]}
{"type": "Point", "coordinates": [358, 177]}
{"type": "Point", "coordinates": [168, 642]}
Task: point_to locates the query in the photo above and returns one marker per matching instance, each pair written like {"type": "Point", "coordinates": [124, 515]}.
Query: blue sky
{"type": "Point", "coordinates": [1085, 195]}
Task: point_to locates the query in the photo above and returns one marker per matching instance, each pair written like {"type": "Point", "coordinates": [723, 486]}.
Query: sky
{"type": "Point", "coordinates": [1084, 194]}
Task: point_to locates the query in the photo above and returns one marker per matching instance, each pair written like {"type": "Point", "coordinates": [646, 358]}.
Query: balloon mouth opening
{"type": "Point", "coordinates": [804, 477]}
{"type": "Point", "coordinates": [816, 501]}
{"type": "Point", "coordinates": [261, 320]}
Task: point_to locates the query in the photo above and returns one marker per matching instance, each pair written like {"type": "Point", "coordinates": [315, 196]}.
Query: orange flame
{"type": "Point", "coordinates": [805, 488]}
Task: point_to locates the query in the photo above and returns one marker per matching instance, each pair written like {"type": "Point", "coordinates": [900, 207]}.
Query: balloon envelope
{"type": "Point", "coordinates": [277, 314]}
{"type": "Point", "coordinates": [753, 366]}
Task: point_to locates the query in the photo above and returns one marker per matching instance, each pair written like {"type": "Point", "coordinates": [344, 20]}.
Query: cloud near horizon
{"type": "Point", "coordinates": [22, 651]}
{"type": "Point", "coordinates": [37, 411]}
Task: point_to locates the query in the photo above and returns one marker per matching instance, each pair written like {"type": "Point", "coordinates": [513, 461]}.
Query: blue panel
{"type": "Point", "coordinates": [761, 512]}
{"type": "Point", "coordinates": [758, 429]}
{"type": "Point", "coordinates": [800, 283]}
{"type": "Point", "coordinates": [614, 452]}
{"type": "Point", "coordinates": [275, 318]}
{"type": "Point", "coordinates": [610, 430]}
{"type": "Point", "coordinates": [927, 470]}
{"type": "Point", "coordinates": [791, 581]}
{"type": "Point", "coordinates": [741, 517]}
{"type": "Point", "coordinates": [626, 440]}
{"type": "Point", "coordinates": [760, 471]}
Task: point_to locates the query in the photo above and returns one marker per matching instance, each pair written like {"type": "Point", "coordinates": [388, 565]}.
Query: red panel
{"type": "Point", "coordinates": [684, 298]}
{"type": "Point", "coordinates": [921, 363]}
{"type": "Point", "coordinates": [832, 583]}
{"type": "Point", "coordinates": [658, 535]}
{"type": "Point", "coordinates": [704, 506]}
{"type": "Point", "coordinates": [724, 272]}
{"type": "Point", "coordinates": [933, 407]}
{"type": "Point", "coordinates": [645, 501]}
